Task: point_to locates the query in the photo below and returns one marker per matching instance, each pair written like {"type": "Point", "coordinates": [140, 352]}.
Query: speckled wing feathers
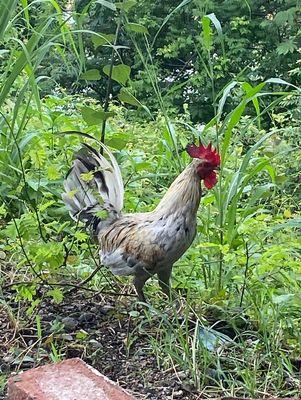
{"type": "Point", "coordinates": [129, 244]}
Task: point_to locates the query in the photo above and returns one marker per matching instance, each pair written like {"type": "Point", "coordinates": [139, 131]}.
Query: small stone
{"type": "Point", "coordinates": [8, 359]}
{"type": "Point", "coordinates": [48, 317]}
{"type": "Point", "coordinates": [177, 394]}
{"type": "Point", "coordinates": [181, 375]}
{"type": "Point", "coordinates": [87, 317]}
{"type": "Point", "coordinates": [2, 255]}
{"type": "Point", "coordinates": [67, 337]}
{"type": "Point", "coordinates": [69, 323]}
{"type": "Point", "coordinates": [4, 368]}
{"type": "Point", "coordinates": [105, 309]}
{"type": "Point", "coordinates": [95, 344]}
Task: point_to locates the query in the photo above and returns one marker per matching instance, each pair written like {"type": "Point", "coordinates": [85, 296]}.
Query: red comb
{"type": "Point", "coordinates": [206, 153]}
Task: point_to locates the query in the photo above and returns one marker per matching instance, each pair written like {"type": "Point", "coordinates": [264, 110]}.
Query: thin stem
{"type": "Point", "coordinates": [212, 83]}
{"type": "Point", "coordinates": [109, 89]}
{"type": "Point", "coordinates": [245, 274]}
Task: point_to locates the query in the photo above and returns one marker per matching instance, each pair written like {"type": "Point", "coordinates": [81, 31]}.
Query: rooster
{"type": "Point", "coordinates": [138, 244]}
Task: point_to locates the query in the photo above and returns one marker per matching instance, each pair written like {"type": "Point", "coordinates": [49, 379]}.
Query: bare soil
{"type": "Point", "coordinates": [108, 332]}
{"type": "Point", "coordinates": [95, 329]}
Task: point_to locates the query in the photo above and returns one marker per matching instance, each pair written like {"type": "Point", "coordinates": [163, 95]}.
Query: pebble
{"type": "Point", "coordinates": [48, 317]}
{"type": "Point", "coordinates": [68, 337]}
{"type": "Point", "coordinates": [95, 344]}
{"type": "Point", "coordinates": [69, 323]}
{"type": "Point", "coordinates": [177, 394]}
{"type": "Point", "coordinates": [87, 317]}
{"type": "Point", "coordinates": [4, 368]}
{"type": "Point", "coordinates": [105, 309]}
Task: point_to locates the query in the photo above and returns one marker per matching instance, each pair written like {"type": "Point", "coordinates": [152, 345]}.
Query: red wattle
{"type": "Point", "coordinates": [210, 180]}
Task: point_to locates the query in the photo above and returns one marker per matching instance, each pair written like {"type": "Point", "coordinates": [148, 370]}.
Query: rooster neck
{"type": "Point", "coordinates": [184, 194]}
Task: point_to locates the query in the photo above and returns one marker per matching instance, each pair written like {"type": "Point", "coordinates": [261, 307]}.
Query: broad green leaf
{"type": "Point", "coordinates": [215, 22]}
{"type": "Point", "coordinates": [102, 214]}
{"type": "Point", "coordinates": [82, 236]}
{"type": "Point", "coordinates": [207, 33]}
{"type": "Point", "coordinates": [212, 339]}
{"type": "Point", "coordinates": [23, 144]}
{"type": "Point", "coordinates": [142, 166]}
{"type": "Point", "coordinates": [43, 207]}
{"type": "Point", "coordinates": [285, 17]}
{"type": "Point", "coordinates": [222, 101]}
{"type": "Point", "coordinates": [3, 211]}
{"type": "Point", "coordinates": [107, 4]}
{"type": "Point", "coordinates": [36, 184]}
{"type": "Point", "coordinates": [134, 314]}
{"type": "Point", "coordinates": [53, 172]}
{"type": "Point", "coordinates": [116, 143]}
{"type": "Point", "coordinates": [286, 47]}
{"type": "Point", "coordinates": [94, 117]}
{"type": "Point", "coordinates": [233, 121]}
{"type": "Point", "coordinates": [56, 294]}
{"type": "Point", "coordinates": [128, 98]}
{"type": "Point", "coordinates": [138, 28]}
{"type": "Point", "coordinates": [281, 82]}
{"type": "Point", "coordinates": [91, 75]}
{"type": "Point", "coordinates": [120, 73]}
{"type": "Point", "coordinates": [102, 38]}
{"type": "Point", "coordinates": [81, 335]}
{"type": "Point", "coordinates": [252, 91]}
{"type": "Point", "coordinates": [218, 28]}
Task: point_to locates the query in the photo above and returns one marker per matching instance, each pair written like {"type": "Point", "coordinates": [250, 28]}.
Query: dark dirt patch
{"type": "Point", "coordinates": [98, 330]}
{"type": "Point", "coordinates": [110, 333]}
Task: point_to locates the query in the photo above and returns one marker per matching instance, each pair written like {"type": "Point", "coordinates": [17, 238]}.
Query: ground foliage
{"type": "Point", "coordinates": [234, 327]}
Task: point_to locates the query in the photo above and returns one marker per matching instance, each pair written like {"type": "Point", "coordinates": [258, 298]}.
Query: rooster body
{"type": "Point", "coordinates": [140, 244]}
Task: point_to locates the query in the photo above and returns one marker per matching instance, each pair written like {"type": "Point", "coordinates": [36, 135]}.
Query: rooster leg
{"type": "Point", "coordinates": [164, 280]}
{"type": "Point", "coordinates": [139, 282]}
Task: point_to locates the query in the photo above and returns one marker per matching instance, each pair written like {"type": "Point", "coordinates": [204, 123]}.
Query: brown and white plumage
{"type": "Point", "coordinates": [140, 244]}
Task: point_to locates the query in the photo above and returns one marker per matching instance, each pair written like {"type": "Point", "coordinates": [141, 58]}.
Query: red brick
{"type": "Point", "coordinates": [71, 379]}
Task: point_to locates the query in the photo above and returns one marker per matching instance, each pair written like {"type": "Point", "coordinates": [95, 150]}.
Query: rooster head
{"type": "Point", "coordinates": [209, 162]}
